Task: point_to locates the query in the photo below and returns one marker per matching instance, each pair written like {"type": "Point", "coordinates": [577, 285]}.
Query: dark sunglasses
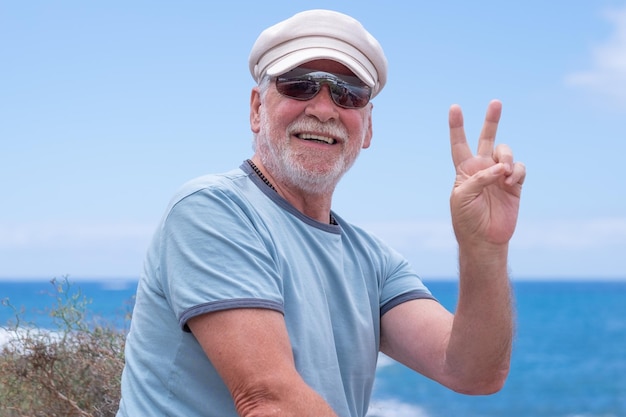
{"type": "Point", "coordinates": [347, 91]}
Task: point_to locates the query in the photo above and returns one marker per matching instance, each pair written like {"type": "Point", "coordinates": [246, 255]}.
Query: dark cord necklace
{"type": "Point", "coordinates": [260, 174]}
{"type": "Point", "coordinates": [269, 184]}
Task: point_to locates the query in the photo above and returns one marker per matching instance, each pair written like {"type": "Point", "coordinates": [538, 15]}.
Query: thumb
{"type": "Point", "coordinates": [475, 184]}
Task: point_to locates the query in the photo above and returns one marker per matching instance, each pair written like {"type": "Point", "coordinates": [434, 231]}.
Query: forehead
{"type": "Point", "coordinates": [327, 65]}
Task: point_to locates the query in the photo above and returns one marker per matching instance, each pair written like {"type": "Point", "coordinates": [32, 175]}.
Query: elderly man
{"type": "Point", "coordinates": [258, 300]}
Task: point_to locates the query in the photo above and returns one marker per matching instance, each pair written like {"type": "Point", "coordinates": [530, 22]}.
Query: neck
{"type": "Point", "coordinates": [314, 205]}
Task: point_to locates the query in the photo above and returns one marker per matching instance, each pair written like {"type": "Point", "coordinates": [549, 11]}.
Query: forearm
{"type": "Point", "coordinates": [479, 349]}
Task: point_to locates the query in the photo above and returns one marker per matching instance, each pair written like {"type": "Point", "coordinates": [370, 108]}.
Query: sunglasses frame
{"type": "Point", "coordinates": [344, 89]}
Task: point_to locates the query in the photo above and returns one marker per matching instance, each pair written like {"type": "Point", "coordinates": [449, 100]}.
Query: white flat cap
{"type": "Point", "coordinates": [319, 34]}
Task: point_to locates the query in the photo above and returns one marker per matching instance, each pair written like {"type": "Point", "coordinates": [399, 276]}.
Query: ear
{"type": "Point", "coordinates": [255, 109]}
{"type": "Point", "coordinates": [367, 141]}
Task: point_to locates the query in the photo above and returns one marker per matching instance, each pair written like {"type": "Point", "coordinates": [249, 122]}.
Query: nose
{"type": "Point", "coordinates": [322, 106]}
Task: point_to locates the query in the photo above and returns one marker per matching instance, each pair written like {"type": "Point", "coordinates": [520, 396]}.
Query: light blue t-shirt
{"type": "Point", "coordinates": [230, 241]}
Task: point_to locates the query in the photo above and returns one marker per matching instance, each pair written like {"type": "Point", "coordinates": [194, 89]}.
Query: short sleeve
{"type": "Point", "coordinates": [401, 283]}
{"type": "Point", "coordinates": [213, 258]}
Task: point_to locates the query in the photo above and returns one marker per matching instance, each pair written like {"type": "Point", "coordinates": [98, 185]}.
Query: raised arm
{"type": "Point", "coordinates": [251, 351]}
{"type": "Point", "coordinates": [470, 350]}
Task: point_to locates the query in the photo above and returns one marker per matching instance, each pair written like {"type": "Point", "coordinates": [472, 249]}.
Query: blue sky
{"type": "Point", "coordinates": [107, 107]}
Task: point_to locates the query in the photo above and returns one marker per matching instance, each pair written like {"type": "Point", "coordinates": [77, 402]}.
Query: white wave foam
{"type": "Point", "coordinates": [592, 415]}
{"type": "Point", "coordinates": [394, 408]}
{"type": "Point", "coordinates": [16, 336]}
{"type": "Point", "coordinates": [5, 336]}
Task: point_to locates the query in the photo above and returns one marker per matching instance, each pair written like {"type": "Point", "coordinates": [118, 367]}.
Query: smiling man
{"type": "Point", "coordinates": [258, 300]}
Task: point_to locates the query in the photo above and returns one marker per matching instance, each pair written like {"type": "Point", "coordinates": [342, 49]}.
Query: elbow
{"type": "Point", "coordinates": [255, 399]}
{"type": "Point", "coordinates": [483, 385]}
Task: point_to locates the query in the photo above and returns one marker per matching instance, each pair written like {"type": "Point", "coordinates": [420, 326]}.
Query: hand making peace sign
{"type": "Point", "coordinates": [486, 195]}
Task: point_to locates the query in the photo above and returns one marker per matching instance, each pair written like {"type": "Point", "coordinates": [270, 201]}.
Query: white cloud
{"type": "Point", "coordinates": [607, 75]}
{"type": "Point", "coordinates": [568, 235]}
{"type": "Point", "coordinates": [436, 234]}
{"type": "Point", "coordinates": [42, 235]}
{"type": "Point", "coordinates": [47, 250]}
{"type": "Point", "coordinates": [548, 234]}
{"type": "Point", "coordinates": [539, 248]}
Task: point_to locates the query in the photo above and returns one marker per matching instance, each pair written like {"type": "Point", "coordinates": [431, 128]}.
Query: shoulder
{"type": "Point", "coordinates": [232, 190]}
{"type": "Point", "coordinates": [223, 182]}
{"type": "Point", "coordinates": [210, 200]}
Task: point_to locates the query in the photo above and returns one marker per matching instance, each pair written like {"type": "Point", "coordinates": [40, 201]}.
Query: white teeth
{"type": "Point", "coordinates": [308, 136]}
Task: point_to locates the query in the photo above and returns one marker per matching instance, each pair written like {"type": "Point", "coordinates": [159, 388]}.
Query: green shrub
{"type": "Point", "coordinates": [73, 370]}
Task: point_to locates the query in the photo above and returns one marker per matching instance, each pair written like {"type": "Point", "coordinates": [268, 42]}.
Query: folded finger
{"type": "Point", "coordinates": [518, 175]}
{"type": "Point", "coordinates": [504, 154]}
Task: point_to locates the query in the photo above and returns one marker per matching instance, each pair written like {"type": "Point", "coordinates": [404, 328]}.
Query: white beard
{"type": "Point", "coordinates": [284, 164]}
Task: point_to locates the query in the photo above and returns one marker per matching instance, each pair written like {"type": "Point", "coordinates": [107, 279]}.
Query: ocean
{"type": "Point", "coordinates": [569, 357]}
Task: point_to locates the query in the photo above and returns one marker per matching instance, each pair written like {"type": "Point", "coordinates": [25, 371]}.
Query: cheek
{"type": "Point", "coordinates": [282, 115]}
{"type": "Point", "coordinates": [362, 129]}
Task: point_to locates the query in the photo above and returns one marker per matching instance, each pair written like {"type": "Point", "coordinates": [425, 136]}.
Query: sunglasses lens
{"type": "Point", "coordinates": [297, 88]}
{"type": "Point", "coordinates": [350, 96]}
{"type": "Point", "coordinates": [301, 84]}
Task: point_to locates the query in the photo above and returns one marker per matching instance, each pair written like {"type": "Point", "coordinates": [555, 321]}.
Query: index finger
{"type": "Point", "coordinates": [458, 142]}
{"type": "Point", "coordinates": [490, 127]}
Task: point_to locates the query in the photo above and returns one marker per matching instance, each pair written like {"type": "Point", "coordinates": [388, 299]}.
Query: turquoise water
{"type": "Point", "coordinates": [569, 357]}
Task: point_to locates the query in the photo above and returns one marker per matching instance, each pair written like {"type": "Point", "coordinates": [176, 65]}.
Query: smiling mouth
{"type": "Point", "coordinates": [317, 138]}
